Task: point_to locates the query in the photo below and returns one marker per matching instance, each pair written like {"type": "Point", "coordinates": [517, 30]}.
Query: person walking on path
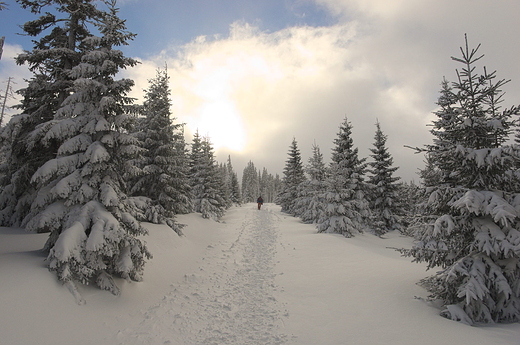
{"type": "Point", "coordinates": [260, 202]}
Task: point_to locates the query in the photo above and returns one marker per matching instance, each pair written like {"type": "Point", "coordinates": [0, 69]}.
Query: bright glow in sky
{"type": "Point", "coordinates": [254, 74]}
{"type": "Point", "coordinates": [219, 121]}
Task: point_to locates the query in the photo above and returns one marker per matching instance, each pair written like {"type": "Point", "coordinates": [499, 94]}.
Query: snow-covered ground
{"type": "Point", "coordinates": [259, 277]}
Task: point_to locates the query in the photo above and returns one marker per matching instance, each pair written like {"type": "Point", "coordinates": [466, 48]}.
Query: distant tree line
{"type": "Point", "coordinates": [256, 183]}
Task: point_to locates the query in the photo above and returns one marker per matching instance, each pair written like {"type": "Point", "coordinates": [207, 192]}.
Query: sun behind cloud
{"type": "Point", "coordinates": [211, 110]}
{"type": "Point", "coordinates": [220, 121]}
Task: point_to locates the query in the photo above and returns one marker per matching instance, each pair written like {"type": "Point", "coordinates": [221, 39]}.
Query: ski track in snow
{"type": "Point", "coordinates": [230, 300]}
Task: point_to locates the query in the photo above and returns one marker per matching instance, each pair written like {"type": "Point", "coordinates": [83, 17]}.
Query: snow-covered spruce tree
{"type": "Point", "coordinates": [196, 166]}
{"type": "Point", "coordinates": [250, 183]}
{"type": "Point", "coordinates": [471, 229]}
{"type": "Point", "coordinates": [312, 189]}
{"type": "Point", "coordinates": [268, 186]}
{"type": "Point", "coordinates": [62, 29]}
{"type": "Point", "coordinates": [345, 207]}
{"type": "Point", "coordinates": [163, 180]}
{"type": "Point", "coordinates": [276, 188]}
{"type": "Point", "coordinates": [80, 192]}
{"type": "Point", "coordinates": [293, 177]}
{"type": "Point", "coordinates": [411, 198]}
{"type": "Point", "coordinates": [234, 187]}
{"type": "Point", "coordinates": [264, 179]}
{"type": "Point", "coordinates": [225, 186]}
{"type": "Point", "coordinates": [430, 175]}
{"type": "Point", "coordinates": [214, 203]}
{"type": "Point", "coordinates": [182, 161]}
{"type": "Point", "coordinates": [206, 180]}
{"type": "Point", "coordinates": [383, 192]}
{"type": "Point", "coordinates": [230, 187]}
{"type": "Point", "coordinates": [414, 198]}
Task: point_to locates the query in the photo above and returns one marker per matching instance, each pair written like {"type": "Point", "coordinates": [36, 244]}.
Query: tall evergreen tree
{"type": "Point", "coordinates": [213, 204]}
{"type": "Point", "coordinates": [182, 174]}
{"type": "Point", "coordinates": [268, 189]}
{"type": "Point", "coordinates": [233, 186]}
{"type": "Point", "coordinates": [206, 180]}
{"type": "Point", "coordinates": [81, 197]}
{"type": "Point", "coordinates": [263, 181]}
{"type": "Point", "coordinates": [276, 187]}
{"type": "Point", "coordinates": [63, 29]}
{"type": "Point", "coordinates": [250, 183]}
{"type": "Point", "coordinates": [163, 179]}
{"type": "Point", "coordinates": [225, 186]}
{"type": "Point", "coordinates": [293, 177]}
{"type": "Point", "coordinates": [311, 190]}
{"type": "Point", "coordinates": [471, 228]}
{"type": "Point", "coordinates": [196, 167]}
{"type": "Point", "coordinates": [345, 208]}
{"type": "Point", "coordinates": [411, 201]}
{"type": "Point", "coordinates": [384, 190]}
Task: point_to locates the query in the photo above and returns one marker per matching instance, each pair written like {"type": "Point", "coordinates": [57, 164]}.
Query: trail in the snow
{"type": "Point", "coordinates": [230, 300]}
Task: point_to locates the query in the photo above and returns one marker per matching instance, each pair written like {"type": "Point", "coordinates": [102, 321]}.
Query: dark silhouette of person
{"type": "Point", "coordinates": [260, 202]}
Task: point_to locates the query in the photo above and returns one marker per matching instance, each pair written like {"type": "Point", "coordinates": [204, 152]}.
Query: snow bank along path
{"type": "Point", "coordinates": [258, 277]}
{"type": "Point", "coordinates": [230, 299]}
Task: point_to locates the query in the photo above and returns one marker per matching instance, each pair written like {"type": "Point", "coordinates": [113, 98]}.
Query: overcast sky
{"type": "Point", "coordinates": [254, 74]}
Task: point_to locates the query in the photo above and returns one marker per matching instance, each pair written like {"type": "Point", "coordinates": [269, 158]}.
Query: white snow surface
{"type": "Point", "coordinates": [258, 277]}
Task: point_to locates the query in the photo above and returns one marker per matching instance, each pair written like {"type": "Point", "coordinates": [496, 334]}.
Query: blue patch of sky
{"type": "Point", "coordinates": [163, 24]}
{"type": "Point", "coordinates": [172, 23]}
{"type": "Point", "coordinates": [11, 19]}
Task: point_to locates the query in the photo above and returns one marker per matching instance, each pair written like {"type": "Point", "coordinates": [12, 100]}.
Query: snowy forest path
{"type": "Point", "coordinates": [230, 299]}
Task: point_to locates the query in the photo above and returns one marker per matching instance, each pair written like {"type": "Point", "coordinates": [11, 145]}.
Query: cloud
{"type": "Point", "coordinates": [407, 37]}
{"type": "Point", "coordinates": [298, 82]}
{"type": "Point", "coordinates": [410, 43]}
